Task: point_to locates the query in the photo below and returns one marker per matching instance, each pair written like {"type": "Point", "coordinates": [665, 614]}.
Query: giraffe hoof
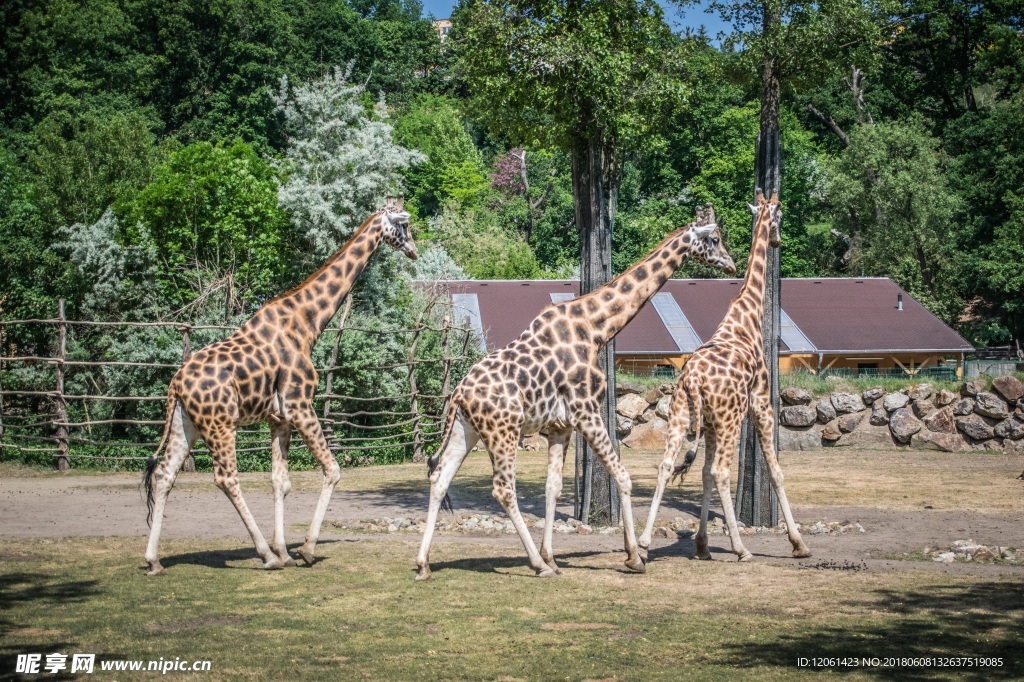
{"type": "Point", "coordinates": [704, 556]}
{"type": "Point", "coordinates": [156, 569]}
{"type": "Point", "coordinates": [288, 561]}
{"type": "Point", "coordinates": [642, 551]}
{"type": "Point", "coordinates": [548, 572]}
{"type": "Point", "coordinates": [746, 556]}
{"type": "Point", "coordinates": [636, 565]}
{"type": "Point", "coordinates": [424, 573]}
{"type": "Point", "coordinates": [801, 553]}
{"type": "Point", "coordinates": [305, 555]}
{"type": "Point", "coordinates": [274, 564]}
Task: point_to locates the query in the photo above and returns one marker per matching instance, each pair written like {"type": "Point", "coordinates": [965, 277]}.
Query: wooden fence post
{"type": "Point", "coordinates": [417, 434]}
{"type": "Point", "coordinates": [446, 381]}
{"type": "Point", "coordinates": [186, 351]}
{"type": "Point", "coordinates": [328, 428]}
{"type": "Point", "coordinates": [63, 460]}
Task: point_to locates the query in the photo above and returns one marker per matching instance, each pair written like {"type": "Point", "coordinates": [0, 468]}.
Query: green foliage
{"type": "Point", "coordinates": [482, 247]}
{"type": "Point", "coordinates": [213, 208]}
{"type": "Point", "coordinates": [890, 193]}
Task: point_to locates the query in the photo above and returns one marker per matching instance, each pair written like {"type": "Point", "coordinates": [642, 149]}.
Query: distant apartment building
{"type": "Point", "coordinates": [442, 27]}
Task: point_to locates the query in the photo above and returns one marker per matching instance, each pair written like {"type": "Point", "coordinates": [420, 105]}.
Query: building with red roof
{"type": "Point", "coordinates": [866, 324]}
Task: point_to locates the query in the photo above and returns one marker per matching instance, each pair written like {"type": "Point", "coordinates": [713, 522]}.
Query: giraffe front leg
{"type": "Point", "coordinates": [592, 428]}
{"type": "Point", "coordinates": [305, 421]}
{"type": "Point", "coordinates": [179, 441]}
{"type": "Point", "coordinates": [708, 482]}
{"type": "Point", "coordinates": [280, 439]}
{"type": "Point", "coordinates": [719, 472]}
{"type": "Point", "coordinates": [552, 491]}
{"type": "Point", "coordinates": [461, 440]}
{"type": "Point", "coordinates": [764, 421]}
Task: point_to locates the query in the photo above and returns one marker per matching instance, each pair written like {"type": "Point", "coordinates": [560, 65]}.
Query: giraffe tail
{"type": "Point", "coordinates": [435, 459]}
{"type": "Point", "coordinates": [153, 460]}
{"type": "Point", "coordinates": [694, 403]}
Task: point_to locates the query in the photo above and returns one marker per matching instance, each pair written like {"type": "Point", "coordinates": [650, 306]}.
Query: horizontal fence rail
{"type": "Point", "coordinates": [45, 413]}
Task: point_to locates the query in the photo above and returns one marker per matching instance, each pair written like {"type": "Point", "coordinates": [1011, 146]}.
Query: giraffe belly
{"type": "Point", "coordinates": [543, 417]}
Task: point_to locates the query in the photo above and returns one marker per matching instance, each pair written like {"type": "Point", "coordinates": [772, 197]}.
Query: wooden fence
{"type": "Point", "coordinates": [34, 420]}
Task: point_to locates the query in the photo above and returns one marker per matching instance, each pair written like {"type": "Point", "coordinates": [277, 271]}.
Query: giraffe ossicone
{"type": "Point", "coordinates": [720, 383]}
{"type": "Point", "coordinates": [263, 372]}
{"type": "Point", "coordinates": [549, 380]}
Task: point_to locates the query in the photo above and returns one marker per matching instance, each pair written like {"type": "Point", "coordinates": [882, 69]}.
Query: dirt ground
{"type": "Point", "coordinates": [904, 500]}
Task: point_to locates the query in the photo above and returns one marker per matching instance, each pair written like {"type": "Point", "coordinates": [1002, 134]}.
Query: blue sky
{"type": "Point", "coordinates": [677, 19]}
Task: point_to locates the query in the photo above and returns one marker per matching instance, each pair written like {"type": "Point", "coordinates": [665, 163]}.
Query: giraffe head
{"type": "Point", "coordinates": [769, 209]}
{"type": "Point", "coordinates": [707, 245]}
{"type": "Point", "coordinates": [395, 223]}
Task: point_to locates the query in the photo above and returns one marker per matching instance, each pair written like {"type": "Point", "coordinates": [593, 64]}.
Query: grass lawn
{"type": "Point", "coordinates": [358, 614]}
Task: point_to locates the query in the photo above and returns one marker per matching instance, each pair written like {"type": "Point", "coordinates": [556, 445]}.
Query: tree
{"type": "Point", "coordinates": [589, 77]}
{"type": "Point", "coordinates": [340, 162]}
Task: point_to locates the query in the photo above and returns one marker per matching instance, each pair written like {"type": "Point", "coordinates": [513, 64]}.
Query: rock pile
{"type": "Point", "coordinates": [969, 550]}
{"type": "Point", "coordinates": [685, 528]}
{"type": "Point", "coordinates": [471, 523]}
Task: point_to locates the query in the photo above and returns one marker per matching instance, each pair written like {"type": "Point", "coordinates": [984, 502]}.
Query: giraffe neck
{"type": "Point", "coordinates": [620, 300]}
{"type": "Point", "coordinates": [751, 296]}
{"type": "Point", "coordinates": [313, 303]}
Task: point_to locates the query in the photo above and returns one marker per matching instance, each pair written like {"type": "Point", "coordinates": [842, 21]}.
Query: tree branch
{"type": "Point", "coordinates": [830, 123]}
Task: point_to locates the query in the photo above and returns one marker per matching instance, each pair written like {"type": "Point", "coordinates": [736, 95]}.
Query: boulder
{"type": "Point", "coordinates": [826, 412]}
{"type": "Point", "coordinates": [666, 387]}
{"type": "Point", "coordinates": [879, 417]}
{"type": "Point", "coordinates": [1010, 387]}
{"type": "Point", "coordinates": [623, 425]}
{"type": "Point", "coordinates": [847, 402]}
{"type": "Point", "coordinates": [944, 397]}
{"type": "Point", "coordinates": [894, 401]}
{"type": "Point", "coordinates": [796, 396]}
{"type": "Point", "coordinates": [923, 408]}
{"type": "Point", "coordinates": [941, 421]}
{"type": "Point", "coordinates": [991, 405]}
{"type": "Point", "coordinates": [868, 437]}
{"type": "Point", "coordinates": [920, 392]}
{"type": "Point", "coordinates": [662, 408]}
{"type": "Point", "coordinates": [631, 405]}
{"type": "Point", "coordinates": [976, 426]}
{"type": "Point", "coordinates": [970, 389]}
{"type": "Point", "coordinates": [649, 436]}
{"type": "Point", "coordinates": [806, 438]}
{"type": "Point", "coordinates": [652, 396]}
{"type": "Point", "coordinates": [628, 388]}
{"type": "Point", "coordinates": [963, 407]}
{"type": "Point", "coordinates": [934, 440]}
{"type": "Point", "coordinates": [848, 422]}
{"type": "Point", "coordinates": [830, 432]}
{"type": "Point", "coordinates": [903, 425]}
{"type": "Point", "coordinates": [872, 394]}
{"type": "Point", "coordinates": [797, 415]}
{"type": "Point", "coordinates": [1012, 429]}
{"type": "Point", "coordinates": [647, 416]}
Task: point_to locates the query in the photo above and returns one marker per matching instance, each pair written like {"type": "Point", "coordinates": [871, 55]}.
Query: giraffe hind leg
{"type": "Point", "coordinates": [678, 427]}
{"type": "Point", "coordinates": [160, 477]}
{"type": "Point", "coordinates": [552, 491]}
{"type": "Point", "coordinates": [305, 421]}
{"type": "Point", "coordinates": [280, 439]}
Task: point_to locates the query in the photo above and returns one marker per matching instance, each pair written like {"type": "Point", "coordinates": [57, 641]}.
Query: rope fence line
{"type": "Point", "coordinates": [410, 419]}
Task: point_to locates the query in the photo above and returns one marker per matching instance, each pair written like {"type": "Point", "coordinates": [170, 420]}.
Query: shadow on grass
{"type": "Point", "coordinates": [39, 593]}
{"type": "Point", "coordinates": [981, 620]}
{"type": "Point", "coordinates": [223, 558]}
{"type": "Point", "coordinates": [503, 564]}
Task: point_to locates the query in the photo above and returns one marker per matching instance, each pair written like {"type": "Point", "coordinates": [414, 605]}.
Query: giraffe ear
{"type": "Point", "coordinates": [702, 231]}
{"type": "Point", "coordinates": [753, 209]}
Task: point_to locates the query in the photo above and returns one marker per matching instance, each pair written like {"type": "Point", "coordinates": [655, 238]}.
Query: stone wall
{"type": "Point", "coordinates": [917, 417]}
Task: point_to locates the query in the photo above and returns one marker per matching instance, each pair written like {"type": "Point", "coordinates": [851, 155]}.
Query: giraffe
{"type": "Point", "coordinates": [264, 372]}
{"type": "Point", "coordinates": [720, 382]}
{"type": "Point", "coordinates": [549, 380]}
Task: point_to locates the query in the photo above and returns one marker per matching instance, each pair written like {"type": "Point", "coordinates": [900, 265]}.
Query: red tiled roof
{"type": "Point", "coordinates": [835, 314]}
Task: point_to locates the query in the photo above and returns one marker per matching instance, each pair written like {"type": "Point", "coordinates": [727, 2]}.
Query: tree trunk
{"type": "Point", "coordinates": [755, 498]}
{"type": "Point", "coordinates": [595, 184]}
